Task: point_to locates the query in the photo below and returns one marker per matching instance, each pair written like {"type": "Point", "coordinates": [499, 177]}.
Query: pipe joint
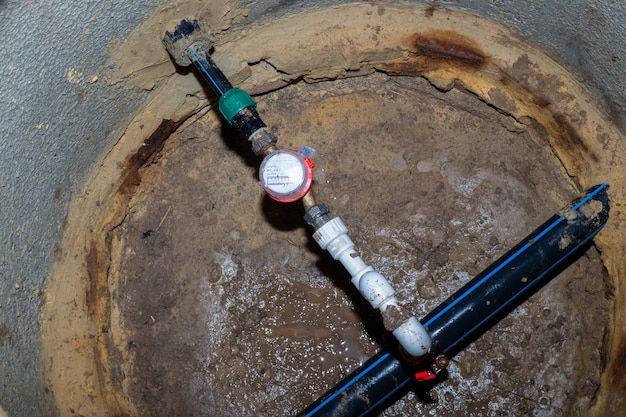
{"type": "Point", "coordinates": [233, 101]}
{"type": "Point", "coordinates": [376, 289]}
{"type": "Point", "coordinates": [317, 215]}
{"type": "Point", "coordinates": [373, 286]}
{"type": "Point", "coordinates": [263, 141]}
{"type": "Point", "coordinates": [413, 337]}
{"type": "Point", "coordinates": [330, 231]}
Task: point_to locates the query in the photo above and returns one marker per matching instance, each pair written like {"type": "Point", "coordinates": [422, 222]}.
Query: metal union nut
{"type": "Point", "coordinates": [315, 212]}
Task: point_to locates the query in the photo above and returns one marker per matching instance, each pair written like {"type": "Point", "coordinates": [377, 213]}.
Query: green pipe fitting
{"type": "Point", "coordinates": [233, 101]}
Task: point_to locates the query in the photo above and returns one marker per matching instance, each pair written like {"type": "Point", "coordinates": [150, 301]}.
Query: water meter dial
{"type": "Point", "coordinates": [286, 176]}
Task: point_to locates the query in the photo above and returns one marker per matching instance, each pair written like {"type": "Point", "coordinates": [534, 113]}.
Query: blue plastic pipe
{"type": "Point", "coordinates": [472, 309]}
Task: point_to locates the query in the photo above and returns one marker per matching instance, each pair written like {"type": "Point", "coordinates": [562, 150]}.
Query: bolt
{"type": "Point", "coordinates": [442, 362]}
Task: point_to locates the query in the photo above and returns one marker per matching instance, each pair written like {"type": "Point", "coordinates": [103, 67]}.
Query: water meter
{"type": "Point", "coordinates": [286, 175]}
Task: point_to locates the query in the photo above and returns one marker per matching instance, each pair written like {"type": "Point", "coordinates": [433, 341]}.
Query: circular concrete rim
{"type": "Point", "coordinates": [450, 48]}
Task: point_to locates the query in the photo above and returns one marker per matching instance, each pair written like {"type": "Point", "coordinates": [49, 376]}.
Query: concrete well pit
{"type": "Point", "coordinates": [221, 304]}
{"type": "Point", "coordinates": [442, 140]}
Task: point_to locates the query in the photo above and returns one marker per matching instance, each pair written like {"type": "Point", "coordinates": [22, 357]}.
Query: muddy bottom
{"type": "Point", "coordinates": [228, 307]}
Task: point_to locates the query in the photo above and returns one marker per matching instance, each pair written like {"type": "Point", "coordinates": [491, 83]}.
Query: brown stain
{"type": "Point", "coordinates": [569, 145]}
{"type": "Point", "coordinates": [450, 48]}
{"type": "Point", "coordinates": [613, 398]}
{"type": "Point", "coordinates": [97, 291]}
{"type": "Point", "coordinates": [435, 51]}
{"type": "Point", "coordinates": [150, 147]}
{"type": "Point", "coordinates": [413, 66]}
{"type": "Point", "coordinates": [98, 301]}
{"type": "Point", "coordinates": [618, 370]}
{"type": "Point", "coordinates": [509, 83]}
{"type": "Point", "coordinates": [97, 260]}
{"type": "Point", "coordinates": [5, 335]}
{"type": "Point", "coordinates": [566, 139]}
{"type": "Point", "coordinates": [461, 58]}
{"type": "Point", "coordinates": [569, 139]}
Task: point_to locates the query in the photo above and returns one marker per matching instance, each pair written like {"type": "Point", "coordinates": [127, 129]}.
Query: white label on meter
{"type": "Point", "coordinates": [285, 176]}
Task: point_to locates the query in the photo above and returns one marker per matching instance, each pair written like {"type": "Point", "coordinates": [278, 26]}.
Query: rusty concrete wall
{"type": "Point", "coordinates": [587, 37]}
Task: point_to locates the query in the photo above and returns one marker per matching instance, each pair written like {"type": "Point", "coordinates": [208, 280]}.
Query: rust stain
{"type": "Point", "coordinates": [569, 139]}
{"type": "Point", "coordinates": [449, 47]}
{"type": "Point", "coordinates": [150, 147]}
{"type": "Point", "coordinates": [98, 296]}
{"type": "Point", "coordinates": [430, 11]}
{"type": "Point", "coordinates": [97, 259]}
{"type": "Point", "coordinates": [571, 146]}
{"type": "Point", "coordinates": [96, 290]}
{"type": "Point", "coordinates": [510, 83]}
{"type": "Point", "coordinates": [437, 50]}
{"type": "Point", "coordinates": [461, 58]}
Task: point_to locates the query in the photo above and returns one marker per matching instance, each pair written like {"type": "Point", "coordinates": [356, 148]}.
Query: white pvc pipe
{"type": "Point", "coordinates": [333, 236]}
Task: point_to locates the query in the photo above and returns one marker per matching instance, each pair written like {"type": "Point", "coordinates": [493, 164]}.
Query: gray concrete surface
{"type": "Point", "coordinates": [55, 121]}
{"type": "Point", "coordinates": [54, 124]}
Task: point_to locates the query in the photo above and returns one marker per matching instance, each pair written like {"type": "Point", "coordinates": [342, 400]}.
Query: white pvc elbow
{"type": "Point", "coordinates": [413, 337]}
{"type": "Point", "coordinates": [333, 236]}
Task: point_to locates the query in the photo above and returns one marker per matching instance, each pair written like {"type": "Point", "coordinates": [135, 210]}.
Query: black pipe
{"type": "Point", "coordinates": [248, 122]}
{"type": "Point", "coordinates": [209, 69]}
{"type": "Point", "coordinates": [471, 310]}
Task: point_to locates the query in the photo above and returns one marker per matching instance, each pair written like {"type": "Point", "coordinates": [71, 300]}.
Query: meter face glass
{"type": "Point", "coordinates": [283, 173]}
{"type": "Point", "coordinates": [285, 176]}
